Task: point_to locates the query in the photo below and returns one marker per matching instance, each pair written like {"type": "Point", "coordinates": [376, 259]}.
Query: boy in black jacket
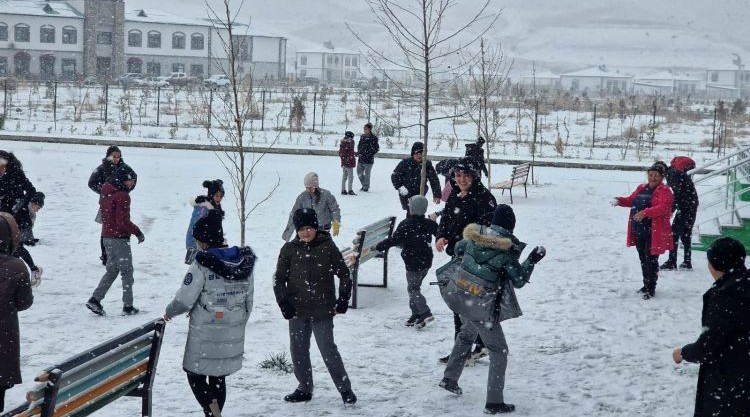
{"type": "Point", "coordinates": [414, 235]}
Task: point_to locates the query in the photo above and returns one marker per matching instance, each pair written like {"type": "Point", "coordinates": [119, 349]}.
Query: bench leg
{"type": "Point", "coordinates": [510, 191]}
{"type": "Point", "coordinates": [146, 403]}
{"type": "Point", "coordinates": [524, 190]}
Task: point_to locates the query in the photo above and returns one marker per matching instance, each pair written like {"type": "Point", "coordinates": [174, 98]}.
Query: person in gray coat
{"type": "Point", "coordinates": [322, 201]}
{"type": "Point", "coordinates": [217, 294]}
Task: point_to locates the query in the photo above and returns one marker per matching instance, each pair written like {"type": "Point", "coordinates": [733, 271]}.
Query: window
{"type": "Point", "coordinates": [354, 62]}
{"type": "Point", "coordinates": [196, 70]}
{"type": "Point", "coordinates": [135, 38]}
{"type": "Point", "coordinates": [714, 76]}
{"type": "Point", "coordinates": [104, 38]}
{"type": "Point", "coordinates": [153, 69]}
{"type": "Point", "coordinates": [154, 39]}
{"type": "Point", "coordinates": [22, 33]}
{"type": "Point", "coordinates": [69, 35]}
{"type": "Point", "coordinates": [196, 41]}
{"type": "Point", "coordinates": [68, 68]}
{"type": "Point", "coordinates": [329, 60]}
{"type": "Point", "coordinates": [3, 65]}
{"type": "Point", "coordinates": [303, 60]}
{"type": "Point", "coordinates": [47, 34]}
{"type": "Point", "coordinates": [3, 32]}
{"type": "Point", "coordinates": [178, 67]}
{"type": "Point", "coordinates": [575, 84]}
{"type": "Point", "coordinates": [135, 64]}
{"type": "Point", "coordinates": [336, 60]}
{"type": "Point", "coordinates": [178, 40]}
{"type": "Point", "coordinates": [21, 60]}
{"type": "Point", "coordinates": [302, 73]}
{"type": "Point", "coordinates": [347, 61]}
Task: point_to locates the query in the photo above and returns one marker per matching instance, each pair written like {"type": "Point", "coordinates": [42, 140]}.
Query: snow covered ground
{"type": "Point", "coordinates": [586, 345]}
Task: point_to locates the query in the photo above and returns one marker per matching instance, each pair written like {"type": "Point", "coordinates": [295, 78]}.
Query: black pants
{"type": "Point", "coordinates": [649, 263]}
{"type": "Point", "coordinates": [457, 324]}
{"type": "Point", "coordinates": [207, 389]}
{"type": "Point", "coordinates": [682, 231]}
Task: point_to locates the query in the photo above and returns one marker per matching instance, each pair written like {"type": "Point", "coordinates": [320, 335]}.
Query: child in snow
{"type": "Point", "coordinates": [25, 218]}
{"type": "Point", "coordinates": [306, 293]}
{"type": "Point", "coordinates": [201, 205]}
{"type": "Point", "coordinates": [348, 162]}
{"type": "Point", "coordinates": [217, 294]}
{"type": "Point", "coordinates": [414, 235]}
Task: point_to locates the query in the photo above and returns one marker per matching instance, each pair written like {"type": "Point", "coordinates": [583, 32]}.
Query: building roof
{"type": "Point", "coordinates": [158, 16]}
{"type": "Point", "coordinates": [668, 76]}
{"type": "Point", "coordinates": [544, 75]}
{"type": "Point", "coordinates": [39, 8]}
{"type": "Point", "coordinates": [323, 50]}
{"type": "Point", "coordinates": [596, 72]}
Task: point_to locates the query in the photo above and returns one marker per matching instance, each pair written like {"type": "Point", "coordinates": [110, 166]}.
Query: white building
{"type": "Point", "coordinates": [668, 83]}
{"type": "Point", "coordinates": [595, 81]}
{"type": "Point", "coordinates": [544, 80]}
{"type": "Point", "coordinates": [333, 66]}
{"type": "Point", "coordinates": [728, 82]}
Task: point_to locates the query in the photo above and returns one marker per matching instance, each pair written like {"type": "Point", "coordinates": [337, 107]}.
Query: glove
{"type": "Point", "coordinates": [335, 226]}
{"type": "Point", "coordinates": [140, 237]}
{"type": "Point", "coordinates": [342, 304]}
{"type": "Point", "coordinates": [536, 255]}
{"type": "Point", "coordinates": [36, 277]}
{"type": "Point", "coordinates": [403, 191]}
{"type": "Point", "coordinates": [287, 309]}
{"type": "Point", "coordinates": [615, 201]}
{"type": "Point", "coordinates": [380, 246]}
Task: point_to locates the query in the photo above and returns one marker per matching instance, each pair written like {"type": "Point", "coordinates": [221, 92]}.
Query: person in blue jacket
{"type": "Point", "coordinates": [201, 205]}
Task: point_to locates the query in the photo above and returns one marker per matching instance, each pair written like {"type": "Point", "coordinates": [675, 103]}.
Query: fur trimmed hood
{"type": "Point", "coordinates": [487, 237]}
{"type": "Point", "coordinates": [201, 201]}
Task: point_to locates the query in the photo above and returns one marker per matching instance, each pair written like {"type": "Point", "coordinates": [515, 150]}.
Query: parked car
{"type": "Point", "coordinates": [130, 79]}
{"type": "Point", "coordinates": [177, 78]}
{"type": "Point", "coordinates": [156, 82]}
{"type": "Point", "coordinates": [216, 80]}
{"type": "Point", "coordinates": [91, 80]}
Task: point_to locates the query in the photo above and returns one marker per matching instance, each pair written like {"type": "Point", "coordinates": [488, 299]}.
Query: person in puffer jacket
{"type": "Point", "coordinates": [491, 253]}
{"type": "Point", "coordinates": [217, 294]}
{"type": "Point", "coordinates": [201, 205]}
{"type": "Point", "coordinates": [322, 201]}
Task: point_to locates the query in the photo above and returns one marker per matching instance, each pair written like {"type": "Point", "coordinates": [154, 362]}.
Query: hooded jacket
{"type": "Point", "coordinates": [217, 292]}
{"type": "Point", "coordinates": [683, 189]}
{"type": "Point", "coordinates": [347, 154]}
{"type": "Point", "coordinates": [493, 252]}
{"type": "Point", "coordinates": [367, 148]}
{"type": "Point", "coordinates": [103, 172]}
{"type": "Point", "coordinates": [201, 205]}
{"type": "Point", "coordinates": [115, 208]}
{"type": "Point", "coordinates": [414, 236]}
{"type": "Point", "coordinates": [304, 276]}
{"type": "Point", "coordinates": [408, 174]}
{"type": "Point", "coordinates": [660, 212]}
{"type": "Point", "coordinates": [327, 210]}
{"type": "Point", "coordinates": [15, 188]}
{"type": "Point", "coordinates": [478, 206]}
{"type": "Point", "coordinates": [722, 348]}
{"type": "Point", "coordinates": [15, 296]}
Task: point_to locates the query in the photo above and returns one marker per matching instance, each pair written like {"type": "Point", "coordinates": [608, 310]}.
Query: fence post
{"type": "Point", "coordinates": [593, 134]}
{"type": "Point", "coordinates": [106, 103]}
{"type": "Point", "coordinates": [54, 106]}
{"type": "Point", "coordinates": [369, 107]}
{"type": "Point", "coordinates": [158, 104]}
{"type": "Point", "coordinates": [210, 105]}
{"type": "Point", "coordinates": [5, 99]}
{"type": "Point", "coordinates": [263, 110]}
{"type": "Point", "coordinates": [713, 133]}
{"type": "Point", "coordinates": [315, 102]}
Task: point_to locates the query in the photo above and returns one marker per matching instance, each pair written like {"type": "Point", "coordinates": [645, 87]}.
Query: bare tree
{"type": "Point", "coordinates": [428, 48]}
{"type": "Point", "coordinates": [231, 115]}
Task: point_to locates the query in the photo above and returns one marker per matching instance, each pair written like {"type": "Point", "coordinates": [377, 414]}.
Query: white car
{"type": "Point", "coordinates": [156, 82]}
{"type": "Point", "coordinates": [217, 80]}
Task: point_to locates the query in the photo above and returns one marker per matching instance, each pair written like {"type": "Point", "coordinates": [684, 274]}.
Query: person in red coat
{"type": "Point", "coordinates": [648, 224]}
{"type": "Point", "coordinates": [348, 162]}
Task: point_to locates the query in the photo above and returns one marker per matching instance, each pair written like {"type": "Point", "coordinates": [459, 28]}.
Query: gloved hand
{"type": "Point", "coordinates": [342, 304]}
{"type": "Point", "coordinates": [140, 237]}
{"type": "Point", "coordinates": [335, 226]}
{"type": "Point", "coordinates": [615, 202]}
{"type": "Point", "coordinates": [536, 254]}
{"type": "Point", "coordinates": [36, 276]}
{"type": "Point", "coordinates": [287, 309]}
{"type": "Point", "coordinates": [403, 191]}
{"type": "Point", "coordinates": [380, 246]}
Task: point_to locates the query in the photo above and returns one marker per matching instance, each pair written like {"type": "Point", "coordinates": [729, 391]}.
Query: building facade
{"type": "Point", "coordinates": [328, 65]}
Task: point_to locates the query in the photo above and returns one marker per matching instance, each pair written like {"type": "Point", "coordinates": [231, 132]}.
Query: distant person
{"type": "Point", "coordinates": [648, 224]}
{"type": "Point", "coordinates": [15, 188]}
{"type": "Point", "coordinates": [201, 206]}
{"type": "Point", "coordinates": [319, 199]}
{"type": "Point", "coordinates": [348, 162]}
{"type": "Point", "coordinates": [475, 153]}
{"type": "Point", "coordinates": [217, 294]}
{"type": "Point", "coordinates": [366, 150]}
{"type": "Point", "coordinates": [407, 177]}
{"type": "Point", "coordinates": [724, 343]}
{"type": "Point", "coordinates": [15, 296]}
{"type": "Point", "coordinates": [685, 207]}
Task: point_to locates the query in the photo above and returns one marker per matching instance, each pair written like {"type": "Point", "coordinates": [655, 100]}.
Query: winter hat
{"type": "Point", "coordinates": [726, 254]}
{"type": "Point", "coordinates": [418, 205]}
{"type": "Point", "coordinates": [214, 187]}
{"type": "Point", "coordinates": [112, 149]}
{"type": "Point", "coordinates": [504, 217]}
{"type": "Point", "coordinates": [417, 147]}
{"type": "Point", "coordinates": [123, 173]}
{"type": "Point", "coordinates": [37, 198]}
{"type": "Point", "coordinates": [349, 134]}
{"type": "Point", "coordinates": [480, 141]}
{"type": "Point", "coordinates": [209, 230]}
{"type": "Point", "coordinates": [311, 180]}
{"type": "Point", "coordinates": [368, 125]}
{"type": "Point", "coordinates": [660, 167]}
{"type": "Point", "coordinates": [305, 217]}
{"type": "Point", "coordinates": [466, 166]}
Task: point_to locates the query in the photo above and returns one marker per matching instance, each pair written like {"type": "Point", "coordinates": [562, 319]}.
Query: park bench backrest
{"type": "Point", "coordinates": [122, 366]}
{"type": "Point", "coordinates": [520, 173]}
{"type": "Point", "coordinates": [363, 250]}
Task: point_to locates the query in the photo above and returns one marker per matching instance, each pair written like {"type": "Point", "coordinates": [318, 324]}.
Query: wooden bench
{"type": "Point", "coordinates": [519, 176]}
{"type": "Point", "coordinates": [363, 250]}
{"type": "Point", "coordinates": [122, 366]}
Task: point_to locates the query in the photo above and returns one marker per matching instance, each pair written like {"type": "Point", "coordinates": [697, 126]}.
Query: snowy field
{"type": "Point", "coordinates": [587, 345]}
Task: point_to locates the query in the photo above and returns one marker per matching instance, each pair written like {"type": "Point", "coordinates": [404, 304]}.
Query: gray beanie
{"type": "Point", "coordinates": [418, 205]}
{"type": "Point", "coordinates": [311, 180]}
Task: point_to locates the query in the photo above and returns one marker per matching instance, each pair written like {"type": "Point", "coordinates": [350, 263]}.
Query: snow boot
{"type": "Point", "coordinates": [444, 360]}
{"type": "Point", "coordinates": [450, 385]}
{"type": "Point", "coordinates": [648, 294]}
{"type": "Point", "coordinates": [348, 397]}
{"type": "Point", "coordinates": [412, 320]}
{"type": "Point", "coordinates": [351, 192]}
{"type": "Point", "coordinates": [687, 265]}
{"type": "Point", "coordinates": [343, 192]}
{"type": "Point", "coordinates": [423, 319]}
{"type": "Point", "coordinates": [129, 311]}
{"type": "Point", "coordinates": [668, 266]}
{"type": "Point", "coordinates": [499, 408]}
{"type": "Point", "coordinates": [298, 396]}
{"type": "Point", "coordinates": [95, 307]}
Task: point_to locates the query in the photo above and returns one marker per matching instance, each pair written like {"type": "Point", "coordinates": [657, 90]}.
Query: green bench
{"type": "Point", "coordinates": [122, 366]}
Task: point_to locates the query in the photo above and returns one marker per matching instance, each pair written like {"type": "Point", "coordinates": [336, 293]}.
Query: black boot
{"type": "Point", "coordinates": [348, 397]}
{"type": "Point", "coordinates": [298, 396]}
{"type": "Point", "coordinates": [668, 266]}
{"type": "Point", "coordinates": [95, 307]}
{"type": "Point", "coordinates": [499, 408]}
{"type": "Point", "coordinates": [450, 385]}
{"type": "Point", "coordinates": [686, 265]}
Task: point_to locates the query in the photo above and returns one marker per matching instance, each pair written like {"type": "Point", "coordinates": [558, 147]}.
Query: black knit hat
{"type": "Point", "coordinates": [417, 147]}
{"type": "Point", "coordinates": [37, 198]}
{"type": "Point", "coordinates": [466, 166]}
{"type": "Point", "coordinates": [349, 134]}
{"type": "Point", "coordinates": [123, 173]}
{"type": "Point", "coordinates": [209, 230]}
{"type": "Point", "coordinates": [660, 167]}
{"type": "Point", "coordinates": [113, 149]}
{"type": "Point", "coordinates": [504, 217]}
{"type": "Point", "coordinates": [214, 187]}
{"type": "Point", "coordinates": [305, 217]}
{"type": "Point", "coordinates": [726, 254]}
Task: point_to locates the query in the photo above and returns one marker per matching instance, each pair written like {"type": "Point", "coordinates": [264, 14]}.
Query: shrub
{"type": "Point", "coordinates": [277, 362]}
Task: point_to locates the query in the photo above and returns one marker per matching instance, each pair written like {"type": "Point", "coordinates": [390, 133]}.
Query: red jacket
{"type": "Point", "coordinates": [115, 207]}
{"type": "Point", "coordinates": [660, 212]}
{"type": "Point", "coordinates": [346, 152]}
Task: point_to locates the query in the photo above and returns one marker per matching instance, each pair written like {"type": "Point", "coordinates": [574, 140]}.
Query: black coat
{"type": "Point", "coordinates": [408, 173]}
{"type": "Point", "coordinates": [367, 148]}
{"type": "Point", "coordinates": [475, 153]}
{"type": "Point", "coordinates": [103, 172]}
{"type": "Point", "coordinates": [414, 236]}
{"type": "Point", "coordinates": [15, 190]}
{"type": "Point", "coordinates": [723, 348]}
{"type": "Point", "coordinates": [478, 206]}
{"type": "Point", "coordinates": [683, 189]}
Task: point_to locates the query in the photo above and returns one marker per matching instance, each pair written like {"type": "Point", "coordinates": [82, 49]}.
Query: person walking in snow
{"type": "Point", "coordinates": [475, 153]}
{"type": "Point", "coordinates": [414, 236]}
{"type": "Point", "coordinates": [366, 150]}
{"type": "Point", "coordinates": [685, 207]}
{"type": "Point", "coordinates": [306, 294]}
{"type": "Point", "coordinates": [217, 293]}
{"type": "Point", "coordinates": [319, 199]}
{"type": "Point", "coordinates": [201, 205]}
{"type": "Point", "coordinates": [348, 162]}
{"type": "Point", "coordinates": [492, 254]}
{"type": "Point", "coordinates": [25, 219]}
{"type": "Point", "coordinates": [724, 342]}
{"type": "Point", "coordinates": [15, 296]}
{"type": "Point", "coordinates": [407, 177]}
{"type": "Point", "coordinates": [116, 231]}
{"type": "Point", "coordinates": [648, 224]}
